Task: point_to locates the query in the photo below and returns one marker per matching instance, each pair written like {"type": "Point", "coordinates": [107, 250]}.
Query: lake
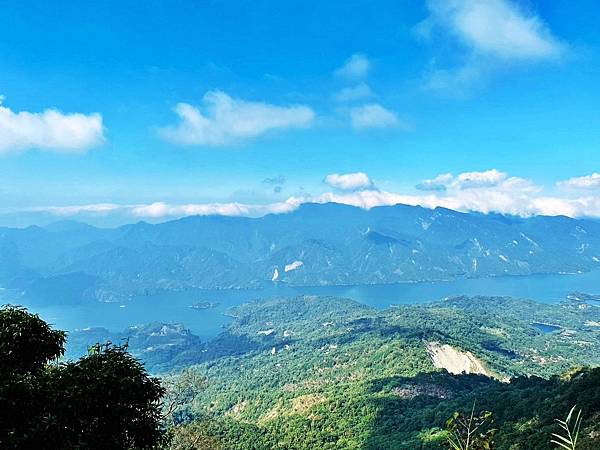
{"type": "Point", "coordinates": [546, 328]}
{"type": "Point", "coordinates": [174, 306]}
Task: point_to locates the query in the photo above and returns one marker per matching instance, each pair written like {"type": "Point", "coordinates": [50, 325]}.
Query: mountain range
{"type": "Point", "coordinates": [318, 244]}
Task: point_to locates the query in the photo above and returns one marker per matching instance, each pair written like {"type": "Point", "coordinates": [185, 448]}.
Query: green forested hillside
{"type": "Point", "coordinates": [330, 373]}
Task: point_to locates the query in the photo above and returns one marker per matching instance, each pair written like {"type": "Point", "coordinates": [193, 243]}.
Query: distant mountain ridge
{"type": "Point", "coordinates": [318, 244]}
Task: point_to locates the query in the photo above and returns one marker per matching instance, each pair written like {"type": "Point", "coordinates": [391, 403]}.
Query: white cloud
{"type": "Point", "coordinates": [493, 33]}
{"type": "Point", "coordinates": [586, 182]}
{"type": "Point", "coordinates": [497, 28]}
{"type": "Point", "coordinates": [471, 180]}
{"type": "Point", "coordinates": [439, 183]}
{"type": "Point", "coordinates": [226, 120]}
{"type": "Point", "coordinates": [495, 191]}
{"type": "Point", "coordinates": [160, 209]}
{"type": "Point", "coordinates": [373, 115]}
{"type": "Point", "coordinates": [355, 67]}
{"type": "Point", "coordinates": [457, 80]}
{"type": "Point", "coordinates": [516, 202]}
{"type": "Point", "coordinates": [349, 181]}
{"type": "Point", "coordinates": [49, 130]}
{"type": "Point", "coordinates": [488, 178]}
{"type": "Point", "coordinates": [489, 191]}
{"type": "Point", "coordinates": [353, 93]}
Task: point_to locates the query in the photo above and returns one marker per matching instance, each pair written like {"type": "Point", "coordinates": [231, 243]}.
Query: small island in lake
{"type": "Point", "coordinates": [204, 305]}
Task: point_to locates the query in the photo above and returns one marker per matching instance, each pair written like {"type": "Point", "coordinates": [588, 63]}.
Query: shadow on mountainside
{"type": "Point", "coordinates": [411, 412]}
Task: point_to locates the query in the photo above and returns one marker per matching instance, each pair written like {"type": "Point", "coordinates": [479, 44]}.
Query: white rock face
{"type": "Point", "coordinates": [455, 361]}
{"type": "Point", "coordinates": [293, 266]}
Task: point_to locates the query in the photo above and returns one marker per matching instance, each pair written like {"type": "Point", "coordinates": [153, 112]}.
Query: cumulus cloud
{"type": "Point", "coordinates": [49, 130]}
{"type": "Point", "coordinates": [373, 115]}
{"type": "Point", "coordinates": [586, 182]}
{"type": "Point", "coordinates": [492, 191]}
{"type": "Point", "coordinates": [486, 191]}
{"type": "Point", "coordinates": [492, 32]}
{"type": "Point", "coordinates": [355, 67]}
{"type": "Point", "coordinates": [488, 178]}
{"type": "Point", "coordinates": [353, 93]}
{"type": "Point", "coordinates": [224, 120]}
{"type": "Point", "coordinates": [349, 181]}
{"type": "Point", "coordinates": [496, 27]}
{"type": "Point", "coordinates": [471, 180]}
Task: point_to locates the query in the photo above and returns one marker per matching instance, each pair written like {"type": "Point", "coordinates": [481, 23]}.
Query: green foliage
{"type": "Point", "coordinates": [568, 439]}
{"type": "Point", "coordinates": [27, 342]}
{"type": "Point", "coordinates": [471, 432]}
{"type": "Point", "coordinates": [104, 400]}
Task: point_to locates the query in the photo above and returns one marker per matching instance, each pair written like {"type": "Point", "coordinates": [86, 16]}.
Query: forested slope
{"type": "Point", "coordinates": [330, 373]}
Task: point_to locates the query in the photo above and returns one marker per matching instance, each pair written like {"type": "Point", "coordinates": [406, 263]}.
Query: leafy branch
{"type": "Point", "coordinates": [568, 439]}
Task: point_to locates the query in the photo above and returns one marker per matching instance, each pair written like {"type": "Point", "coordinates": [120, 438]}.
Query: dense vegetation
{"type": "Point", "coordinates": [102, 401]}
{"type": "Point", "coordinates": [311, 373]}
{"type": "Point", "coordinates": [329, 373]}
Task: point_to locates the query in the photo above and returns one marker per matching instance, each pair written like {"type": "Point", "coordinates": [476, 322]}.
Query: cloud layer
{"type": "Point", "coordinates": [489, 191]}
{"type": "Point", "coordinates": [224, 120]}
{"type": "Point", "coordinates": [49, 130]}
{"type": "Point", "coordinates": [162, 210]}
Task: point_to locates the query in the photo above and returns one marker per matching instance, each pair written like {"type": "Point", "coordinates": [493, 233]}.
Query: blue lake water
{"type": "Point", "coordinates": [546, 328]}
{"type": "Point", "coordinates": [174, 306]}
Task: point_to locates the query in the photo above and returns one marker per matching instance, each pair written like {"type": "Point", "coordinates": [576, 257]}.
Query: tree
{"type": "Point", "coordinates": [27, 343]}
{"type": "Point", "coordinates": [105, 400]}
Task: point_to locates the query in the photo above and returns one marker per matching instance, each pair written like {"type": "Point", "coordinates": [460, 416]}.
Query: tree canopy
{"type": "Point", "coordinates": [105, 400]}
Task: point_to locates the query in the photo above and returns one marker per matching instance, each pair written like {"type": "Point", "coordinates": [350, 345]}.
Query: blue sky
{"type": "Point", "coordinates": [286, 102]}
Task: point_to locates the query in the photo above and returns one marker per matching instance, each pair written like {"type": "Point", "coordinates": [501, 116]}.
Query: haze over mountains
{"type": "Point", "coordinates": [319, 244]}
